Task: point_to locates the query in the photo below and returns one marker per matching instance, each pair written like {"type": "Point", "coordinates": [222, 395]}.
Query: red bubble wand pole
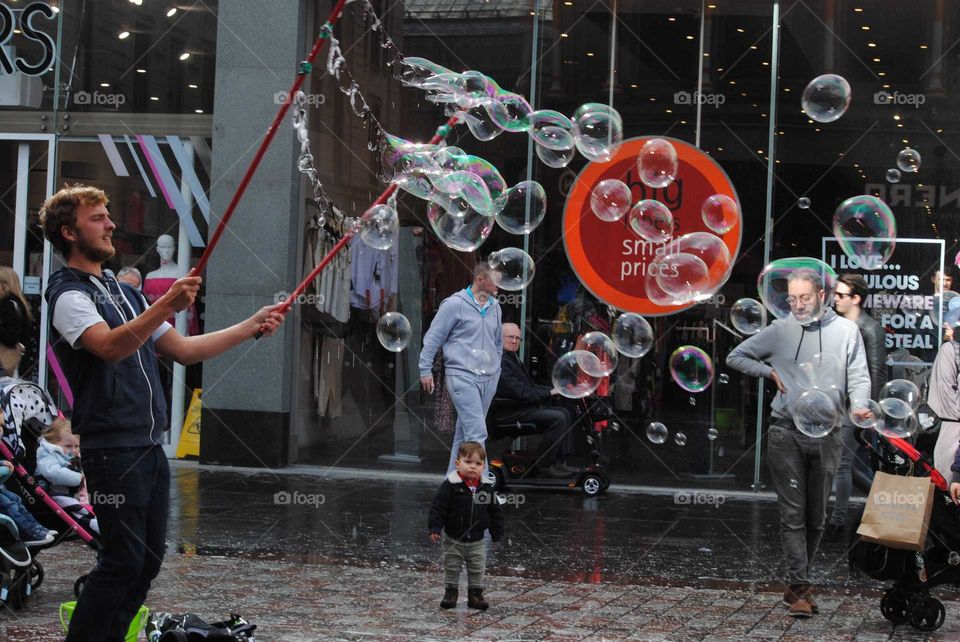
{"type": "Point", "coordinates": [442, 132]}
{"type": "Point", "coordinates": [305, 67]}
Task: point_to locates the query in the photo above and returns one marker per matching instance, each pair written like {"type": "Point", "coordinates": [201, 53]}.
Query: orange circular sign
{"type": "Point", "coordinates": [608, 257]}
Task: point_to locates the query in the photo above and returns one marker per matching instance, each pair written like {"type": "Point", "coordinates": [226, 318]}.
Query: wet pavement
{"type": "Point", "coordinates": [308, 557]}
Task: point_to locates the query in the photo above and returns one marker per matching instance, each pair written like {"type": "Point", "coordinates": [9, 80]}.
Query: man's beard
{"type": "Point", "coordinates": [92, 253]}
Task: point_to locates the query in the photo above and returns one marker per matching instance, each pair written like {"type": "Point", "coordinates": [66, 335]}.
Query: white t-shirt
{"type": "Point", "coordinates": [75, 312]}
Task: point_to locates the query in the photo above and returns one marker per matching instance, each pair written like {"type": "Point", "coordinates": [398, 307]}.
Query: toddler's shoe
{"type": "Point", "coordinates": [450, 595]}
{"type": "Point", "coordinates": [40, 537]}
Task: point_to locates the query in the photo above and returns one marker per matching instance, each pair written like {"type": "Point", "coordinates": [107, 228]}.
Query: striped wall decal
{"type": "Point", "coordinates": [143, 174]}
{"type": "Point", "coordinates": [113, 154]}
{"type": "Point", "coordinates": [185, 160]}
{"type": "Point", "coordinates": [169, 188]}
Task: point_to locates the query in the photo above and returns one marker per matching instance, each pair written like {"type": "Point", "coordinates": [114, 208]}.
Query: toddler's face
{"type": "Point", "coordinates": [470, 466]}
{"type": "Point", "coordinates": [70, 443]}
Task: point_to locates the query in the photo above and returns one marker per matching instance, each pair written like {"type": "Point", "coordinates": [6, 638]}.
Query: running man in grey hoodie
{"type": "Point", "coordinates": [468, 321]}
{"type": "Point", "coordinates": [802, 467]}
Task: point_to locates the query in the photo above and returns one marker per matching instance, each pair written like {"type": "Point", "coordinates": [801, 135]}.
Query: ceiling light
{"type": "Point", "coordinates": [871, 44]}
{"type": "Point", "coordinates": [16, 31]}
{"type": "Point", "coordinates": [184, 55]}
{"type": "Point", "coordinates": [199, 111]}
{"type": "Point", "coordinates": [858, 9]}
{"type": "Point", "coordinates": [876, 60]}
{"type": "Point", "coordinates": [711, 6]}
{"type": "Point", "coordinates": [590, 53]}
{"type": "Point", "coordinates": [669, 111]}
{"type": "Point", "coordinates": [739, 29]}
{"type": "Point", "coordinates": [923, 46]}
{"type": "Point", "coordinates": [136, 2]}
{"type": "Point", "coordinates": [719, 149]}
{"type": "Point", "coordinates": [141, 71]}
{"type": "Point", "coordinates": [671, 19]}
{"type": "Point", "coordinates": [192, 86]}
{"type": "Point", "coordinates": [563, 35]}
{"type": "Point", "coordinates": [765, 63]}
{"type": "Point", "coordinates": [689, 37]}
{"type": "Point", "coordinates": [881, 73]}
{"type": "Point", "coordinates": [786, 89]}
{"type": "Point", "coordinates": [154, 98]}
{"type": "Point", "coordinates": [123, 35]}
{"type": "Point", "coordinates": [634, 86]}
{"type": "Point", "coordinates": [171, 12]}
{"type": "Point", "coordinates": [886, 86]}
{"type": "Point", "coordinates": [568, 3]}
{"type": "Point", "coordinates": [104, 84]}
{"type": "Point", "coordinates": [865, 28]}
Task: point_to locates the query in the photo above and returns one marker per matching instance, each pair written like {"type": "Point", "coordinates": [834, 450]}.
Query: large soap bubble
{"type": "Point", "coordinates": [691, 368]}
{"type": "Point", "coordinates": [413, 72]}
{"type": "Point", "coordinates": [599, 131]}
{"type": "Point", "coordinates": [899, 419]}
{"type": "Point", "coordinates": [512, 268]}
{"type": "Point", "coordinates": [866, 230]}
{"type": "Point", "coordinates": [683, 276]}
{"type": "Point", "coordinates": [823, 371]}
{"type": "Point", "coordinates": [865, 413]}
{"type": "Point", "coordinates": [464, 232]}
{"type": "Point", "coordinates": [748, 316]}
{"type": "Point", "coordinates": [826, 98]}
{"type": "Point", "coordinates": [720, 213]}
{"type": "Point", "coordinates": [902, 389]}
{"type": "Point", "coordinates": [893, 175]}
{"type": "Point", "coordinates": [512, 112]}
{"type": "Point", "coordinates": [696, 267]}
{"type": "Point", "coordinates": [521, 208]}
{"type": "Point", "coordinates": [380, 227]}
{"type": "Point", "coordinates": [414, 172]}
{"type": "Point", "coordinates": [942, 305]}
{"type": "Point", "coordinates": [468, 186]}
{"type": "Point", "coordinates": [652, 221]}
{"type": "Point", "coordinates": [601, 346]}
{"type": "Point", "coordinates": [552, 130]}
{"type": "Point", "coordinates": [908, 160]}
{"type": "Point", "coordinates": [801, 288]}
{"type": "Point", "coordinates": [482, 362]}
{"type": "Point", "coordinates": [714, 253]}
{"type": "Point", "coordinates": [480, 124]}
{"type": "Point", "coordinates": [610, 199]}
{"type": "Point", "coordinates": [657, 163]}
{"type": "Point", "coordinates": [632, 335]}
{"type": "Point", "coordinates": [393, 331]}
{"type": "Point", "coordinates": [554, 157]}
{"type": "Point", "coordinates": [816, 413]}
{"type": "Point", "coordinates": [657, 433]}
{"type": "Point", "coordinates": [570, 379]}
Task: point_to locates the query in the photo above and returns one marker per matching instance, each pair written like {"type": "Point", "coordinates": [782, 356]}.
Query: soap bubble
{"type": "Point", "coordinates": [680, 439]}
{"type": "Point", "coordinates": [413, 72]}
{"type": "Point", "coordinates": [908, 160]}
{"type": "Point", "coordinates": [899, 419]}
{"type": "Point", "coordinates": [893, 175]}
{"type": "Point", "coordinates": [724, 378]}
{"type": "Point", "coordinates": [480, 124]}
{"type": "Point", "coordinates": [393, 331]}
{"type": "Point", "coordinates": [464, 232]}
{"type": "Point", "coordinates": [826, 98]}
{"type": "Point", "coordinates": [712, 434]}
{"type": "Point", "coordinates": [513, 114]}
{"type": "Point", "coordinates": [473, 87]}
{"type": "Point", "coordinates": [414, 172]}
{"type": "Point", "coordinates": [513, 268]}
{"type": "Point", "coordinates": [632, 335]}
{"type": "Point", "coordinates": [468, 186]}
{"type": "Point", "coordinates": [902, 389]}
{"type": "Point", "coordinates": [570, 379]}
{"type": "Point", "coordinates": [451, 158]}
{"type": "Point", "coordinates": [602, 347]}
{"type": "Point", "coordinates": [714, 253]}
{"type": "Point", "coordinates": [803, 275]}
{"type": "Point", "coordinates": [823, 371]}
{"type": "Point", "coordinates": [720, 213]}
{"type": "Point", "coordinates": [482, 362]}
{"type": "Point", "coordinates": [941, 304]}
{"type": "Point", "coordinates": [815, 413]}
{"type": "Point", "coordinates": [380, 227]}
{"type": "Point", "coordinates": [803, 203]}
{"type": "Point", "coordinates": [657, 163]}
{"type": "Point", "coordinates": [952, 318]}
{"type": "Point", "coordinates": [521, 208]}
{"type": "Point", "coordinates": [748, 316]}
{"type": "Point", "coordinates": [552, 130]}
{"type": "Point", "coordinates": [657, 432]}
{"type": "Point", "coordinates": [554, 157]}
{"type": "Point", "coordinates": [652, 221]}
{"type": "Point", "coordinates": [866, 230]}
{"type": "Point", "coordinates": [600, 131]}
{"type": "Point", "coordinates": [610, 199]}
{"type": "Point", "coordinates": [691, 368]}
{"type": "Point", "coordinates": [865, 413]}
{"type": "Point", "coordinates": [654, 292]}
{"type": "Point", "coordinates": [682, 276]}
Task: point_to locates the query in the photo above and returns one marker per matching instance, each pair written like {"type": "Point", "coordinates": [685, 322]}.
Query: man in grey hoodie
{"type": "Point", "coordinates": [802, 467]}
{"type": "Point", "coordinates": [467, 327]}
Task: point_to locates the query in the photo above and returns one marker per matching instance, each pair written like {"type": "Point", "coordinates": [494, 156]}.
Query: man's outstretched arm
{"type": "Point", "coordinates": [188, 350]}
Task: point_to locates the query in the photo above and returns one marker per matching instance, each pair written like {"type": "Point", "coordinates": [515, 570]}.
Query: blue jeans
{"type": "Point", "coordinates": [130, 492]}
{"type": "Point", "coordinates": [853, 471]}
{"type": "Point", "coordinates": [12, 506]}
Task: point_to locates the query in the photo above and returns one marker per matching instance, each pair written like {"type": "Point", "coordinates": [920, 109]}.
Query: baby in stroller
{"type": "Point", "coordinates": [58, 466]}
{"type": "Point", "coordinates": [32, 531]}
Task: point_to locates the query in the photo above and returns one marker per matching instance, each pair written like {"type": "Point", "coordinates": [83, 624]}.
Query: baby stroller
{"type": "Point", "coordinates": [21, 573]}
{"type": "Point", "coordinates": [28, 409]}
{"type": "Point", "coordinates": [913, 573]}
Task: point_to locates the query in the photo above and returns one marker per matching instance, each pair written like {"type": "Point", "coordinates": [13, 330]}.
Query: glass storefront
{"type": "Point", "coordinates": [128, 102]}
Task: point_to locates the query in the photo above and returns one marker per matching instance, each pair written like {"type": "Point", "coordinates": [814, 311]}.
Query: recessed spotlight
{"type": "Point", "coordinates": [881, 73]}
{"type": "Point", "coordinates": [154, 98]}
{"type": "Point", "coordinates": [671, 19]}
{"type": "Point", "coordinates": [719, 149]}
{"type": "Point", "coordinates": [786, 89]}
{"type": "Point", "coordinates": [564, 35]}
{"type": "Point", "coordinates": [568, 3]}
{"type": "Point", "coordinates": [886, 86]}
{"type": "Point", "coordinates": [739, 29]}
{"type": "Point", "coordinates": [199, 111]}
{"type": "Point", "coordinates": [711, 6]}
{"type": "Point", "coordinates": [871, 44]}
{"type": "Point", "coordinates": [590, 53]}
{"type": "Point", "coordinates": [104, 84]}
{"type": "Point", "coordinates": [858, 9]}
{"type": "Point", "coordinates": [669, 111]}
{"type": "Point", "coordinates": [172, 12]}
{"type": "Point", "coordinates": [765, 63]}
{"type": "Point", "coordinates": [865, 28]}
{"type": "Point", "coordinates": [689, 37]}
{"type": "Point", "coordinates": [192, 86]}
{"type": "Point", "coordinates": [923, 46]}
{"type": "Point", "coordinates": [123, 35]}
{"type": "Point", "coordinates": [16, 31]}
{"type": "Point", "coordinates": [876, 60]}
{"type": "Point", "coordinates": [141, 71]}
{"type": "Point", "coordinates": [634, 86]}
{"type": "Point", "coordinates": [184, 55]}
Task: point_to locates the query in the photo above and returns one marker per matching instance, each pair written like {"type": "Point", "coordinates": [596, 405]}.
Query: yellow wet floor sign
{"type": "Point", "coordinates": [189, 445]}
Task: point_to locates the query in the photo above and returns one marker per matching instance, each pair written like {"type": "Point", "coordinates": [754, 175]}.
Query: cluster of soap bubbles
{"type": "Point", "coordinates": [896, 413]}
{"type": "Point", "coordinates": [578, 373]}
{"type": "Point", "coordinates": [695, 265]}
{"type": "Point", "coordinates": [801, 288]}
{"type": "Point", "coordinates": [571, 377]}
{"type": "Point", "coordinates": [908, 161]}
{"type": "Point", "coordinates": [691, 368]}
{"type": "Point", "coordinates": [657, 433]}
{"type": "Point", "coordinates": [866, 230]}
{"type": "Point", "coordinates": [467, 194]}
{"type": "Point", "coordinates": [748, 316]}
{"type": "Point", "coordinates": [594, 129]}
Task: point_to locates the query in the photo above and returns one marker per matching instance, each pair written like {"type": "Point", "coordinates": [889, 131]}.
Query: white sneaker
{"type": "Point", "coordinates": [47, 539]}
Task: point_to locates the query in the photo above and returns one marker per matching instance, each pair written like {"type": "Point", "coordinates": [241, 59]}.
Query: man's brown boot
{"type": "Point", "coordinates": [800, 608]}
{"type": "Point", "coordinates": [805, 591]}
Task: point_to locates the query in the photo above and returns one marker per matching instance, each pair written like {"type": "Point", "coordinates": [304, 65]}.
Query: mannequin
{"type": "Point", "coordinates": [157, 282]}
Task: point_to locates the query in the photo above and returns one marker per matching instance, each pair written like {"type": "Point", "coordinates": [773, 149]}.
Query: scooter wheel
{"type": "Point", "coordinates": [928, 615]}
{"type": "Point", "coordinates": [894, 607]}
{"type": "Point", "coordinates": [592, 485]}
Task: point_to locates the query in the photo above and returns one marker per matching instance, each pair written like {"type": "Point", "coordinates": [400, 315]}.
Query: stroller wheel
{"type": "Point", "coordinates": [16, 596]}
{"type": "Point", "coordinates": [78, 586]}
{"type": "Point", "coordinates": [894, 607]}
{"type": "Point", "coordinates": [928, 615]}
{"type": "Point", "coordinates": [36, 576]}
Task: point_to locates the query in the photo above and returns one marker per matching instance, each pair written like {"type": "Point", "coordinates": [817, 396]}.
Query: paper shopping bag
{"type": "Point", "coordinates": [898, 511]}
